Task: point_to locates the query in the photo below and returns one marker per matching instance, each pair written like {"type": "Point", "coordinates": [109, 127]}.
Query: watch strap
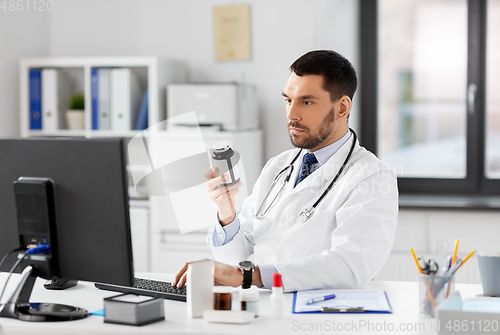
{"type": "Point", "coordinates": [247, 278]}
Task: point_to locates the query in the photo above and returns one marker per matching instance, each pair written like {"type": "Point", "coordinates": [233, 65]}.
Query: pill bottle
{"type": "Point", "coordinates": [250, 300]}
{"type": "Point", "coordinates": [222, 298]}
{"type": "Point", "coordinates": [200, 281]}
{"type": "Point", "coordinates": [226, 160]}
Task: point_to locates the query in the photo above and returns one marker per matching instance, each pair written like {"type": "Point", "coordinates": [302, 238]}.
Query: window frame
{"type": "Point", "coordinates": [475, 182]}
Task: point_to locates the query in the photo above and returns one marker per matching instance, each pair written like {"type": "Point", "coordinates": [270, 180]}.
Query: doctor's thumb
{"type": "Point", "coordinates": [212, 173]}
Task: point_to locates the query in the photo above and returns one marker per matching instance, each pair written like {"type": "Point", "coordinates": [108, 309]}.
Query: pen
{"type": "Point", "coordinates": [461, 263]}
{"type": "Point", "coordinates": [315, 300]}
{"type": "Point", "coordinates": [451, 272]}
{"type": "Point", "coordinates": [454, 267]}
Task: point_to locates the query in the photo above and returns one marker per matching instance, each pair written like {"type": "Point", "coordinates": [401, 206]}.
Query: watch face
{"type": "Point", "coordinates": [246, 265]}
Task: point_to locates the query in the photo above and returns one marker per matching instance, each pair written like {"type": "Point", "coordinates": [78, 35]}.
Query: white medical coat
{"type": "Point", "coordinates": [346, 241]}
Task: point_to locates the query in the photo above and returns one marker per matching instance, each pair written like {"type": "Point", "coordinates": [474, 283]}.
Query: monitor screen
{"type": "Point", "coordinates": [91, 202]}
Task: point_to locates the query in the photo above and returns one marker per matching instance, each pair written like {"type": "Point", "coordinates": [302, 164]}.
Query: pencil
{"type": "Point", "coordinates": [455, 252]}
{"type": "Point", "coordinates": [466, 258]}
{"type": "Point", "coordinates": [429, 292]}
{"type": "Point", "coordinates": [416, 261]}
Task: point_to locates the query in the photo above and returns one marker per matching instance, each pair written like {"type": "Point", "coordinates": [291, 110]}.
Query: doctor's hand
{"type": "Point", "coordinates": [226, 275]}
{"type": "Point", "coordinates": [223, 196]}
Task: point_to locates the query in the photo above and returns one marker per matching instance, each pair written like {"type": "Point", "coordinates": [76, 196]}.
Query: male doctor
{"type": "Point", "coordinates": [348, 237]}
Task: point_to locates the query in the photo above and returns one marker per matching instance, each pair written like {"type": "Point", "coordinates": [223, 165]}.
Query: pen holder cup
{"type": "Point", "coordinates": [433, 289]}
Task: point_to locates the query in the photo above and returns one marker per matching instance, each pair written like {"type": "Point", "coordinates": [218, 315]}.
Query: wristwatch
{"type": "Point", "coordinates": [247, 268]}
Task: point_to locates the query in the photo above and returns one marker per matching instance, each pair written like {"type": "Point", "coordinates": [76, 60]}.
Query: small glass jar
{"type": "Point", "coordinates": [249, 299]}
{"type": "Point", "coordinates": [222, 298]}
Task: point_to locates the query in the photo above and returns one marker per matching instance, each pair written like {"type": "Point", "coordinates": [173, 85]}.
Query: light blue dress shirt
{"type": "Point", "coordinates": [223, 235]}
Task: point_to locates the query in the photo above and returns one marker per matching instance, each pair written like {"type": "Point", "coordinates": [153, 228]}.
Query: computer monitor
{"type": "Point", "coordinates": [92, 224]}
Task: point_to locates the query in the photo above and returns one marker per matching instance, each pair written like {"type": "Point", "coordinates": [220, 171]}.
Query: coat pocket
{"type": "Point", "coordinates": [305, 239]}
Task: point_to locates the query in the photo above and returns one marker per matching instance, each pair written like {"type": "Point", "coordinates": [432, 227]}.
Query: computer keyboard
{"type": "Point", "coordinates": [149, 287]}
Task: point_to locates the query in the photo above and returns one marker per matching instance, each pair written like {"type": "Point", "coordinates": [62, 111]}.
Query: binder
{"type": "Point", "coordinates": [345, 301]}
{"type": "Point", "coordinates": [35, 100]}
{"type": "Point", "coordinates": [104, 99]}
{"type": "Point", "coordinates": [125, 99]}
{"type": "Point", "coordinates": [54, 100]}
{"type": "Point", "coordinates": [142, 119]}
{"type": "Point", "coordinates": [95, 98]}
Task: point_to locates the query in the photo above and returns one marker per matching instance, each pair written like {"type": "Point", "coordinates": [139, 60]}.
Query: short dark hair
{"type": "Point", "coordinates": [339, 76]}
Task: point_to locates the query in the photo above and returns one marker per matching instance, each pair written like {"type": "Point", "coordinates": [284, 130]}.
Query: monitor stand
{"type": "Point", "coordinates": [19, 307]}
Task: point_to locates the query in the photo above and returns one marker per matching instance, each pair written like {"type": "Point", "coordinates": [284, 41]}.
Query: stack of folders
{"type": "Point", "coordinates": [116, 100]}
{"type": "Point", "coordinates": [131, 309]}
{"type": "Point", "coordinates": [49, 98]}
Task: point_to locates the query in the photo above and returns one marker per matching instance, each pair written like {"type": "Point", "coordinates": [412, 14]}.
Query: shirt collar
{"type": "Point", "coordinates": [324, 154]}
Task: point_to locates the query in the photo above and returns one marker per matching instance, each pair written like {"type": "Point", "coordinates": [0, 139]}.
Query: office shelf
{"type": "Point", "coordinates": [58, 133]}
{"type": "Point", "coordinates": [153, 73]}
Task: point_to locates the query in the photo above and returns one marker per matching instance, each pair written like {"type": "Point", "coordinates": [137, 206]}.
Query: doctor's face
{"type": "Point", "coordinates": [312, 116]}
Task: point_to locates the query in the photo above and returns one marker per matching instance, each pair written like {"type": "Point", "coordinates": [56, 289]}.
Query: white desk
{"type": "Point", "coordinates": [403, 297]}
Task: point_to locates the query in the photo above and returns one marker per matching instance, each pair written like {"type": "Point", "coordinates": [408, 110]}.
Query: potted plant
{"type": "Point", "coordinates": [76, 114]}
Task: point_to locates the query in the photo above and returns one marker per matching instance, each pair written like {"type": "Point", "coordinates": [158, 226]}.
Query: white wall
{"type": "Point", "coordinates": [282, 30]}
{"type": "Point", "coordinates": [22, 34]}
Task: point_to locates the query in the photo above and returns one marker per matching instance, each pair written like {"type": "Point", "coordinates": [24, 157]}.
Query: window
{"type": "Point", "coordinates": [493, 91]}
{"type": "Point", "coordinates": [435, 113]}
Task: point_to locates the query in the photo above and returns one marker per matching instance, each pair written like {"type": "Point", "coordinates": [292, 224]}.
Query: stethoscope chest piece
{"type": "Point", "coordinates": [306, 214]}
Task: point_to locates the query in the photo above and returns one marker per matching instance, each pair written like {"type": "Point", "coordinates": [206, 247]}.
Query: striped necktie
{"type": "Point", "coordinates": [307, 167]}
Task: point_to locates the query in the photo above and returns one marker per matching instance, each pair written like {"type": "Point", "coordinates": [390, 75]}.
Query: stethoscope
{"type": "Point", "coordinates": [307, 213]}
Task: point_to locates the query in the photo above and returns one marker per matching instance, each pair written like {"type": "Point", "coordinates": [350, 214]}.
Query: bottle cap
{"type": "Point", "coordinates": [222, 289]}
{"type": "Point", "coordinates": [205, 268]}
{"type": "Point", "coordinates": [251, 294]}
{"type": "Point", "coordinates": [222, 145]}
{"type": "Point", "coordinates": [277, 280]}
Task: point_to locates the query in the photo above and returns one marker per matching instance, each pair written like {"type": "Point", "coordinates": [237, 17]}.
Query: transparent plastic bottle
{"type": "Point", "coordinates": [277, 300]}
{"type": "Point", "coordinates": [226, 160]}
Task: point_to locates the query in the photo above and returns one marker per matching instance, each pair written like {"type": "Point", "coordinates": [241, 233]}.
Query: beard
{"type": "Point", "coordinates": [308, 140]}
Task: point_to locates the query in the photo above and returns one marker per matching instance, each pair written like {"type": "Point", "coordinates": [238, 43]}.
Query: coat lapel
{"type": "Point", "coordinates": [332, 167]}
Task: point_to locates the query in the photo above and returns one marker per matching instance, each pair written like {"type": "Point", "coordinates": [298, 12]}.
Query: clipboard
{"type": "Point", "coordinates": [345, 301]}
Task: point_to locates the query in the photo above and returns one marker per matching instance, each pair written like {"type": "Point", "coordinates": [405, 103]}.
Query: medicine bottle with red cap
{"type": "Point", "coordinates": [277, 300]}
